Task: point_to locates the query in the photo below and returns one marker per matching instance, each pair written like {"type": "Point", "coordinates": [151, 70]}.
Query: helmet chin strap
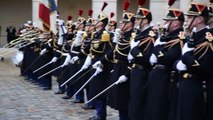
{"type": "Point", "coordinates": [168, 26]}
{"type": "Point", "coordinates": [140, 27]}
{"type": "Point", "coordinates": [191, 22]}
{"type": "Point", "coordinates": [99, 25]}
{"type": "Point", "coordinates": [123, 26]}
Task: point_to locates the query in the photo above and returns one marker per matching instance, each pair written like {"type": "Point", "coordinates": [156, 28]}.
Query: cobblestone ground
{"type": "Point", "coordinates": [21, 100]}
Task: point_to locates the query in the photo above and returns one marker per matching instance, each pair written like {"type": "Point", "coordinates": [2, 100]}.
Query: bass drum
{"type": "Point", "coordinates": [18, 58]}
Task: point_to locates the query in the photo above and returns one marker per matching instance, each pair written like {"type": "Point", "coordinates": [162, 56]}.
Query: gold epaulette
{"type": "Point", "coordinates": [92, 35]}
{"type": "Point", "coordinates": [152, 33]}
{"type": "Point", "coordinates": [105, 37]}
{"type": "Point", "coordinates": [84, 36]}
{"type": "Point", "coordinates": [209, 37]}
{"type": "Point", "coordinates": [182, 35]}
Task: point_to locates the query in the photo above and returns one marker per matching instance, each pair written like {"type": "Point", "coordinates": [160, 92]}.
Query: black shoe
{"type": "Point", "coordinates": [2, 58]}
{"type": "Point", "coordinates": [66, 97]}
{"type": "Point", "coordinates": [87, 107]}
{"type": "Point", "coordinates": [96, 118]}
{"type": "Point", "coordinates": [59, 92]}
{"type": "Point", "coordinates": [78, 101]}
{"type": "Point", "coordinates": [47, 88]}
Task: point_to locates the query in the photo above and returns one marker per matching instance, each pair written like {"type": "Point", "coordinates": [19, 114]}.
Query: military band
{"type": "Point", "coordinates": [142, 72]}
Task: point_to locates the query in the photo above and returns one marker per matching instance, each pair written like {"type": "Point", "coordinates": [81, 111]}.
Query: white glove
{"type": "Point", "coordinates": [153, 59]}
{"type": "Point", "coordinates": [54, 60]}
{"type": "Point", "coordinates": [134, 43]}
{"type": "Point", "coordinates": [43, 51]}
{"type": "Point", "coordinates": [78, 39]}
{"type": "Point", "coordinates": [121, 79]}
{"type": "Point", "coordinates": [60, 40]}
{"type": "Point", "coordinates": [130, 57]}
{"type": "Point", "coordinates": [23, 31]}
{"type": "Point", "coordinates": [181, 66]}
{"type": "Point", "coordinates": [74, 59]}
{"type": "Point", "coordinates": [98, 70]}
{"type": "Point", "coordinates": [117, 35]}
{"type": "Point", "coordinates": [60, 22]}
{"type": "Point", "coordinates": [66, 62]}
{"type": "Point", "coordinates": [87, 63]}
{"type": "Point", "coordinates": [97, 64]}
{"type": "Point", "coordinates": [65, 54]}
{"type": "Point", "coordinates": [186, 49]}
{"type": "Point", "coordinates": [158, 42]}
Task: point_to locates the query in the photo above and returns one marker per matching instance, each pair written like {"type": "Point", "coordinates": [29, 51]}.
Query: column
{"type": "Point", "coordinates": [35, 10]}
{"type": "Point", "coordinates": [97, 5]}
{"type": "Point", "coordinates": [158, 9]}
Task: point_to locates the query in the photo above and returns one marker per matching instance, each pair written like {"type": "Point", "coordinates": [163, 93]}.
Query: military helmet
{"type": "Point", "coordinates": [81, 19]}
{"type": "Point", "coordinates": [174, 14]}
{"type": "Point", "coordinates": [111, 21]}
{"type": "Point", "coordinates": [197, 9]}
{"type": "Point", "coordinates": [143, 12]}
{"type": "Point", "coordinates": [102, 16]}
{"type": "Point", "coordinates": [127, 16]}
{"type": "Point", "coordinates": [69, 21]}
{"type": "Point", "coordinates": [90, 20]}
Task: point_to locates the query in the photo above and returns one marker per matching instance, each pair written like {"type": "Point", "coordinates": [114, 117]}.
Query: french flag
{"type": "Point", "coordinates": [45, 8]}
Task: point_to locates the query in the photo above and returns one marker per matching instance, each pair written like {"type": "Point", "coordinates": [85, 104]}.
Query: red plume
{"type": "Point", "coordinates": [104, 5]}
{"type": "Point", "coordinates": [80, 13]}
{"type": "Point", "coordinates": [112, 14]}
{"type": "Point", "coordinates": [171, 2]}
{"type": "Point", "coordinates": [141, 2]}
{"type": "Point", "coordinates": [90, 12]}
{"type": "Point", "coordinates": [126, 5]}
{"type": "Point", "coordinates": [69, 17]}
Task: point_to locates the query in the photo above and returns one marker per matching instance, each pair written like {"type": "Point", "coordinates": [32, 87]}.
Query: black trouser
{"type": "Point", "coordinates": [157, 94]}
{"type": "Point", "coordinates": [138, 94]}
{"type": "Point", "coordinates": [210, 99]}
{"type": "Point", "coordinates": [190, 99]}
{"type": "Point", "coordinates": [123, 115]}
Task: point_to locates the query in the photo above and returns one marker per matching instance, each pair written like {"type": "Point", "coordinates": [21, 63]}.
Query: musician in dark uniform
{"type": "Point", "coordinates": [74, 51]}
{"type": "Point", "coordinates": [46, 55]}
{"type": "Point", "coordinates": [167, 49]}
{"type": "Point", "coordinates": [35, 46]}
{"type": "Point", "coordinates": [141, 49]}
{"type": "Point", "coordinates": [118, 95]}
{"type": "Point", "coordinates": [100, 45]}
{"type": "Point", "coordinates": [195, 64]}
{"type": "Point", "coordinates": [64, 71]}
{"type": "Point", "coordinates": [209, 81]}
{"type": "Point", "coordinates": [28, 54]}
{"type": "Point", "coordinates": [87, 37]}
{"type": "Point", "coordinates": [112, 25]}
